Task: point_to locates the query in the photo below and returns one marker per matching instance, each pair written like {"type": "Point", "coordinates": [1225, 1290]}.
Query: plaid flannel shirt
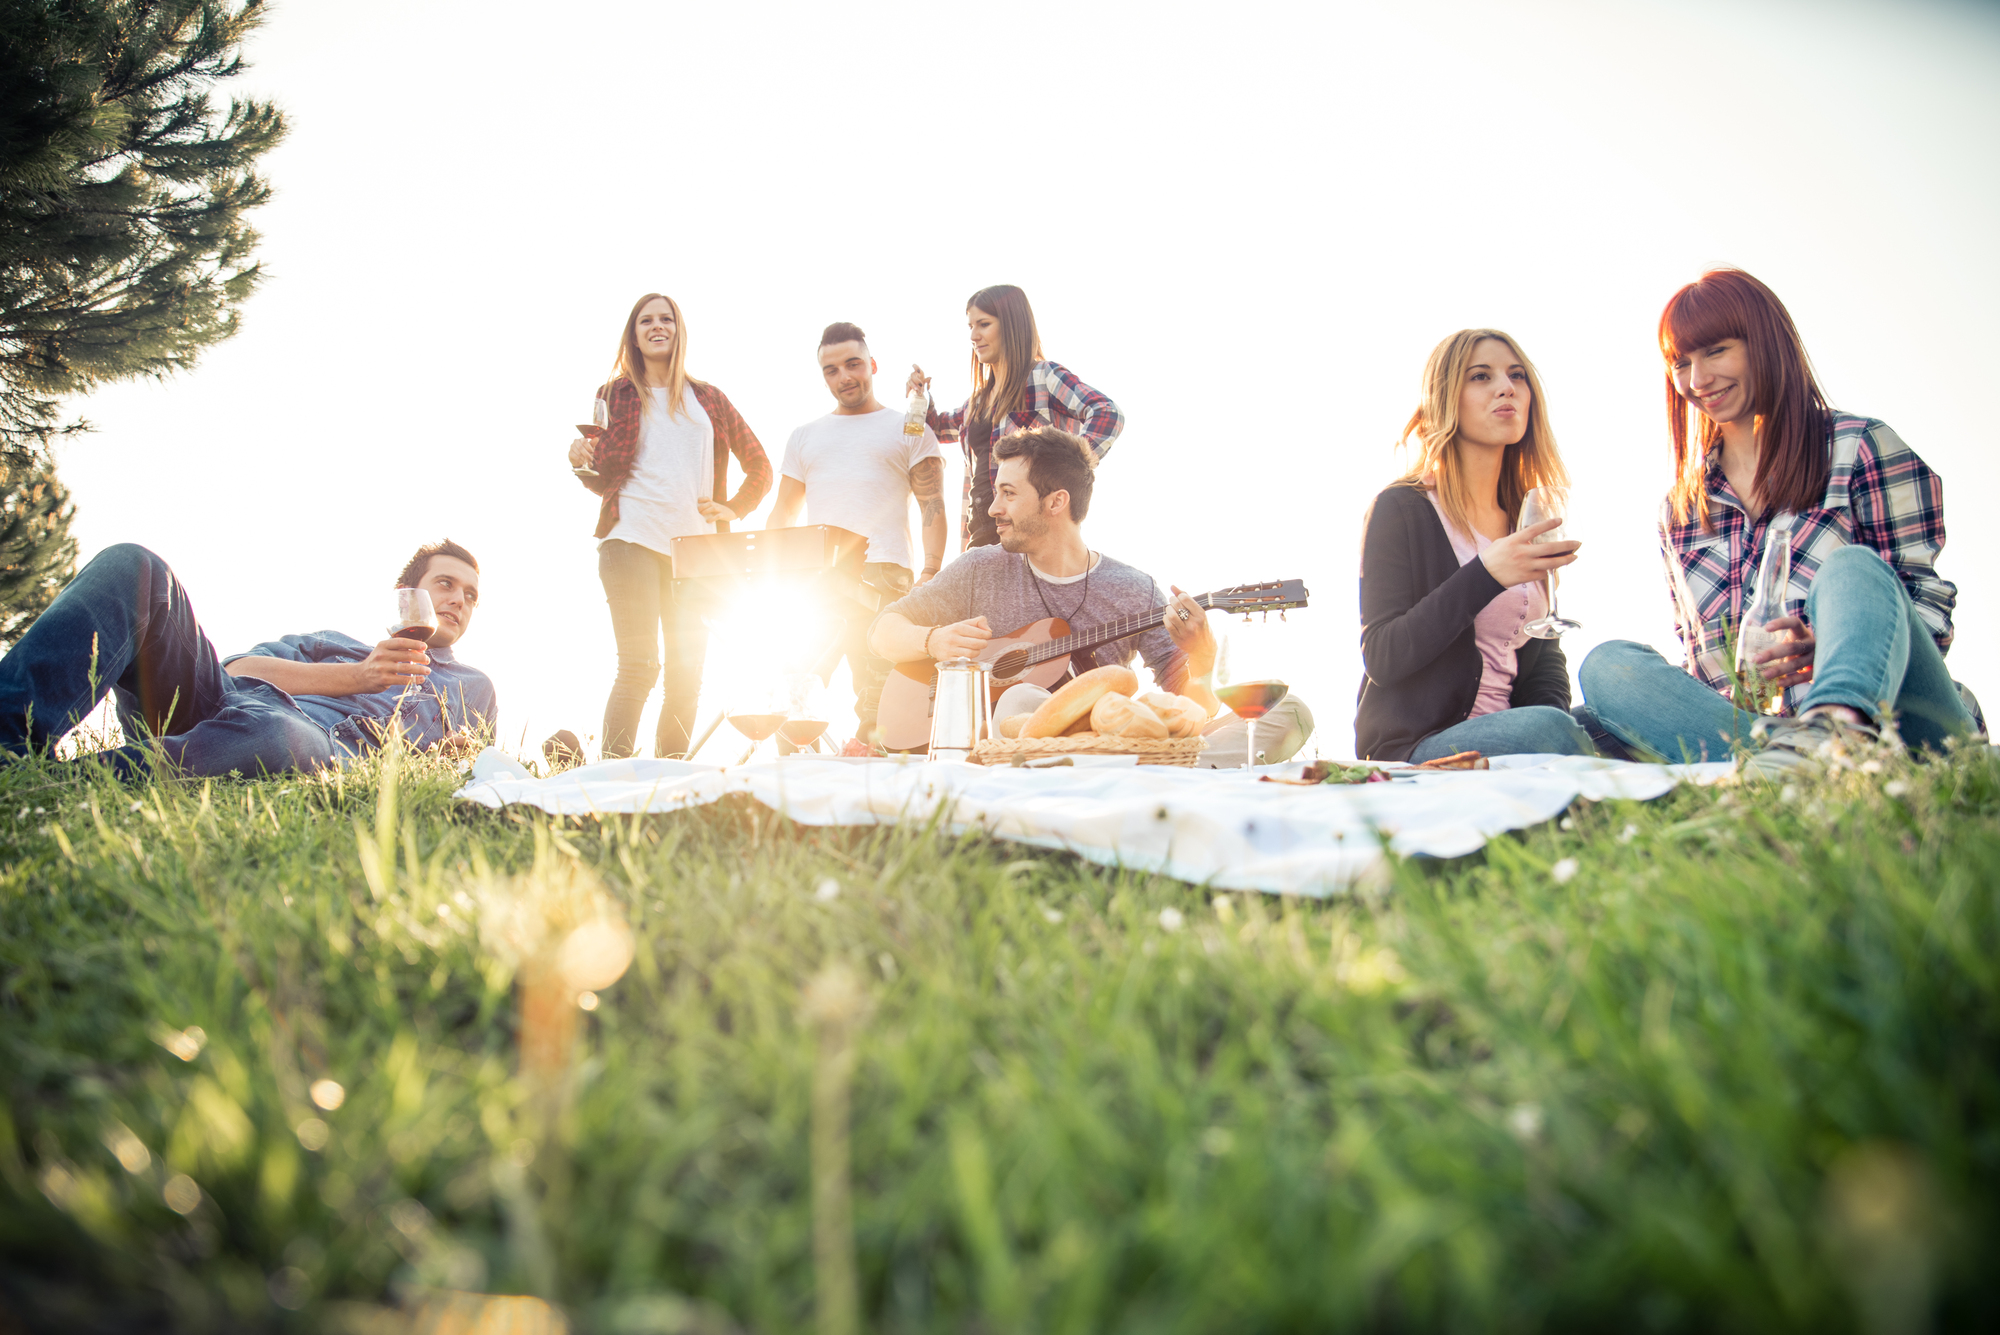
{"type": "Point", "coordinates": [1054, 397]}
{"type": "Point", "coordinates": [1879, 493]}
{"type": "Point", "coordinates": [618, 450]}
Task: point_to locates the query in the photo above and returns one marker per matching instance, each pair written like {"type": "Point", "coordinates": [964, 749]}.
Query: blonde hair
{"type": "Point", "coordinates": [630, 362]}
{"type": "Point", "coordinates": [1530, 463]}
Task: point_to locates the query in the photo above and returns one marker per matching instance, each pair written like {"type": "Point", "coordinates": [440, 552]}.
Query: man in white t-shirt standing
{"type": "Point", "coordinates": [855, 469]}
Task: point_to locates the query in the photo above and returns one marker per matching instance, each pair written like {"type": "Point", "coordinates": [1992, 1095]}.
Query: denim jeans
{"type": "Point", "coordinates": [1873, 654]}
{"type": "Point", "coordinates": [1529, 730]}
{"type": "Point", "coordinates": [124, 626]}
{"type": "Point", "coordinates": [646, 602]}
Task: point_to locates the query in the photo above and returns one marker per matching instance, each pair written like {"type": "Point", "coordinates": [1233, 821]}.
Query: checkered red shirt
{"type": "Point", "coordinates": [618, 450]}
{"type": "Point", "coordinates": [1879, 493]}
{"type": "Point", "coordinates": [1053, 397]}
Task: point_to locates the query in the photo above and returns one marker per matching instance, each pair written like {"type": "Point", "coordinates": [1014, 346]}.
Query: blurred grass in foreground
{"type": "Point", "coordinates": [1728, 1060]}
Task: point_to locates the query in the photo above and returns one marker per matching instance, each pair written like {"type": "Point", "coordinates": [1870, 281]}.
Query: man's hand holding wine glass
{"type": "Point", "coordinates": [393, 663]}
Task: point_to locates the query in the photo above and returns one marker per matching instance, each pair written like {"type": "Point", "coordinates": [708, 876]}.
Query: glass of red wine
{"type": "Point", "coordinates": [1250, 701]}
{"type": "Point", "coordinates": [415, 619]}
{"type": "Point", "coordinates": [600, 417]}
{"type": "Point", "coordinates": [757, 714]}
{"type": "Point", "coordinates": [805, 713]}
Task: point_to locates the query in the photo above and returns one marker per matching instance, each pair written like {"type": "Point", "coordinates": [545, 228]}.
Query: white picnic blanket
{"type": "Point", "coordinates": [1222, 828]}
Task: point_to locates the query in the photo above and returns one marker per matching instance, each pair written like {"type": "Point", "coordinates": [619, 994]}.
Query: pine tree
{"type": "Point", "coordinates": [37, 553]}
{"type": "Point", "coordinates": [124, 249]}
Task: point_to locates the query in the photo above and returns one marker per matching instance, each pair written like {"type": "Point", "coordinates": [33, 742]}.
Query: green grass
{"type": "Point", "coordinates": [1740, 1071]}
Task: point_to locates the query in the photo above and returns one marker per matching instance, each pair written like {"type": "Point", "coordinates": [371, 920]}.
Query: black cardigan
{"type": "Point", "coordinates": [1419, 659]}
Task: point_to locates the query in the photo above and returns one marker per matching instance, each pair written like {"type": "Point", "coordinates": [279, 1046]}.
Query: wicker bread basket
{"type": "Point", "coordinates": [1163, 751]}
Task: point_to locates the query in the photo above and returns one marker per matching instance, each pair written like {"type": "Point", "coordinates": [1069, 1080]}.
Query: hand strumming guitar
{"type": "Point", "coordinates": [960, 639]}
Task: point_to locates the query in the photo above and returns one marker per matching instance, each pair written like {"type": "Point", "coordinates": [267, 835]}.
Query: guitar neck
{"type": "Point", "coordinates": [1120, 629]}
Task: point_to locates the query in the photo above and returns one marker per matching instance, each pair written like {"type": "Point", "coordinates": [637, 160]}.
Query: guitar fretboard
{"type": "Point", "coordinates": [1108, 632]}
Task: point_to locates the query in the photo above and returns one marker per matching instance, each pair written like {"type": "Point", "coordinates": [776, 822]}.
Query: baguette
{"type": "Point", "coordinates": [1011, 725]}
{"type": "Point", "coordinates": [1077, 698]}
{"type": "Point", "coordinates": [1122, 716]}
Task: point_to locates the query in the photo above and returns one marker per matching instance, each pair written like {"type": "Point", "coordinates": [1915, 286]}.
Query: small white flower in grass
{"type": "Point", "coordinates": [1563, 871]}
{"type": "Point", "coordinates": [41, 811]}
{"type": "Point", "coordinates": [1789, 793]}
{"type": "Point", "coordinates": [1525, 1121]}
{"type": "Point", "coordinates": [1052, 915]}
{"type": "Point", "coordinates": [1896, 788]}
{"type": "Point", "coordinates": [1566, 823]}
{"type": "Point", "coordinates": [183, 1043]}
{"type": "Point", "coordinates": [827, 890]}
{"type": "Point", "coordinates": [1871, 767]}
{"type": "Point", "coordinates": [587, 1000]}
{"type": "Point", "coordinates": [1225, 909]}
{"type": "Point", "coordinates": [328, 1094]}
{"type": "Point", "coordinates": [136, 806]}
{"type": "Point", "coordinates": [1171, 919]}
{"type": "Point", "coordinates": [1628, 834]}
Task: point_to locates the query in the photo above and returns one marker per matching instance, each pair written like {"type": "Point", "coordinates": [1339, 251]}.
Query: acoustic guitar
{"type": "Point", "coordinates": [1039, 652]}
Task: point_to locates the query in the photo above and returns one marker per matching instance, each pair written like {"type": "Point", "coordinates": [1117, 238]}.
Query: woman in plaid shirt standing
{"type": "Point", "coordinates": [1759, 455]}
{"type": "Point", "coordinates": [1014, 388]}
{"type": "Point", "coordinates": [662, 469]}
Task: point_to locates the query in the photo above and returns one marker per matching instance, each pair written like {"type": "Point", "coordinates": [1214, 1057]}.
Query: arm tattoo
{"type": "Point", "coordinates": [927, 482]}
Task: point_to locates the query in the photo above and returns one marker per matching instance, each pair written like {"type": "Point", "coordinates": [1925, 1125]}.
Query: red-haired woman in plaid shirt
{"type": "Point", "coordinates": [1758, 454]}
{"type": "Point", "coordinates": [662, 468]}
{"type": "Point", "coordinates": [1015, 388]}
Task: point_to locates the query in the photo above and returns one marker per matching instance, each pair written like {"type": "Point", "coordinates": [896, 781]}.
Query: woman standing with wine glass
{"type": "Point", "coordinates": [661, 466]}
{"type": "Point", "coordinates": [1014, 388]}
{"type": "Point", "coordinates": [1451, 583]}
{"type": "Point", "coordinates": [1864, 619]}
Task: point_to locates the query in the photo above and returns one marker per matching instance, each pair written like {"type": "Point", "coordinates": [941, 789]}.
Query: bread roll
{"type": "Point", "coordinates": [1122, 716]}
{"type": "Point", "coordinates": [1077, 698]}
{"type": "Point", "coordinates": [1011, 725]}
{"type": "Point", "coordinates": [1183, 717]}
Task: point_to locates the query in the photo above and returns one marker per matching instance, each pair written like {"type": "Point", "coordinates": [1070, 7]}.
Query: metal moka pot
{"type": "Point", "coordinates": [962, 709]}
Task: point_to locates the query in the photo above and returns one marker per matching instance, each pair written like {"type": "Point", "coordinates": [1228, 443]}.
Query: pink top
{"type": "Point", "coordinates": [1497, 630]}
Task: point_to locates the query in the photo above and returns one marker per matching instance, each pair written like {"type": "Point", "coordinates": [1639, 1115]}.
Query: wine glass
{"type": "Point", "coordinates": [1541, 504]}
{"type": "Point", "coordinates": [600, 417]}
{"type": "Point", "coordinates": [416, 618]}
{"type": "Point", "coordinates": [805, 713]}
{"type": "Point", "coordinates": [757, 713]}
{"type": "Point", "coordinates": [1250, 701]}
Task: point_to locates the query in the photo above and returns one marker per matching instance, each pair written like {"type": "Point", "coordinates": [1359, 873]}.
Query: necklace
{"type": "Point", "coordinates": [1043, 595]}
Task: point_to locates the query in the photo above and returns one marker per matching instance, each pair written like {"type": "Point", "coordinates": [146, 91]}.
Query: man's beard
{"type": "Point", "coordinates": [1020, 533]}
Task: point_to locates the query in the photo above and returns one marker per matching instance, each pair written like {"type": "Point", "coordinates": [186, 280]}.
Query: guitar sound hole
{"type": "Point", "coordinates": [1010, 663]}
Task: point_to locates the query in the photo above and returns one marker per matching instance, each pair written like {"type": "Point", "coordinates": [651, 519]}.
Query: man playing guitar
{"type": "Point", "coordinates": [1042, 569]}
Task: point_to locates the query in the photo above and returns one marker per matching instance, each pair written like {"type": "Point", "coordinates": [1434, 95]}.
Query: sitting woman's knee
{"type": "Point", "coordinates": [1611, 662]}
{"type": "Point", "coordinates": [1855, 558]}
{"type": "Point", "coordinates": [1559, 733]}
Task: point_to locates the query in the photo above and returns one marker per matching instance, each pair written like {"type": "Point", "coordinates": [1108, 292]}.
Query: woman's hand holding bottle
{"type": "Point", "coordinates": [917, 381]}
{"type": "Point", "coordinates": [1520, 558]}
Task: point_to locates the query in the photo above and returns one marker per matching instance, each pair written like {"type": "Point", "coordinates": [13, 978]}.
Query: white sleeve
{"type": "Point", "coordinates": [794, 465]}
{"type": "Point", "coordinates": [927, 448]}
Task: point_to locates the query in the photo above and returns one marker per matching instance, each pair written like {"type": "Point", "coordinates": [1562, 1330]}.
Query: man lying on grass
{"type": "Point", "coordinates": [124, 625]}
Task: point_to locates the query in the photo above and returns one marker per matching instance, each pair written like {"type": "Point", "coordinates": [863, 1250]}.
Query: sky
{"type": "Point", "coordinates": [1247, 224]}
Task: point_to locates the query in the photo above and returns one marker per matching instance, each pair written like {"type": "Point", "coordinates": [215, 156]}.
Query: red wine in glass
{"type": "Point", "coordinates": [802, 732]}
{"type": "Point", "coordinates": [415, 619]}
{"type": "Point", "coordinates": [1251, 700]}
{"type": "Point", "coordinates": [756, 726]}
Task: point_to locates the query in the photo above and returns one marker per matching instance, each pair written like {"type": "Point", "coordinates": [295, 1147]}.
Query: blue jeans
{"type": "Point", "coordinates": [124, 626]}
{"type": "Point", "coordinates": [1529, 730]}
{"type": "Point", "coordinates": [1873, 654]}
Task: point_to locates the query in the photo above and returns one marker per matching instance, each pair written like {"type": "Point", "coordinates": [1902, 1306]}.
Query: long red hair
{"type": "Point", "coordinates": [1794, 423]}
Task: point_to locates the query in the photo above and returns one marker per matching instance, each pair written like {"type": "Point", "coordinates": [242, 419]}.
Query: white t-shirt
{"type": "Point", "coordinates": [856, 470]}
{"type": "Point", "coordinates": [674, 470]}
